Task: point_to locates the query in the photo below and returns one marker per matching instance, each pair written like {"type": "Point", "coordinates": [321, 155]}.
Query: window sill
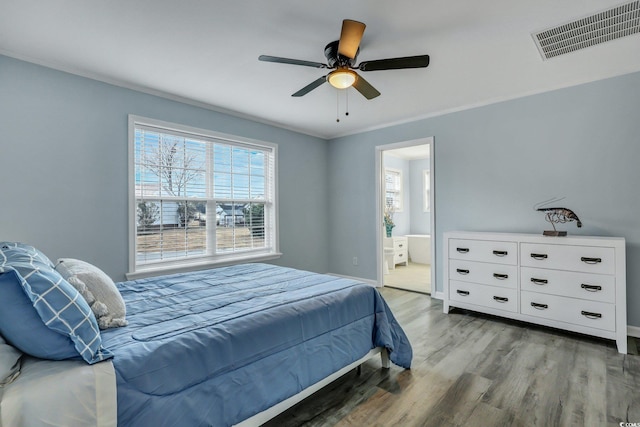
{"type": "Point", "coordinates": [159, 269]}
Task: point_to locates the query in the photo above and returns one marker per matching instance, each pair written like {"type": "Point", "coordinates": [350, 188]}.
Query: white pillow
{"type": "Point", "coordinates": [9, 362]}
{"type": "Point", "coordinates": [98, 290]}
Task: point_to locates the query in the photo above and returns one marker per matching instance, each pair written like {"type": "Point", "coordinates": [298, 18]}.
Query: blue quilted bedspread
{"type": "Point", "coordinates": [214, 347]}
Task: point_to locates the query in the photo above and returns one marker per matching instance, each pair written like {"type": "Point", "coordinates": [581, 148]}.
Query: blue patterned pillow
{"type": "Point", "coordinates": [41, 313]}
{"type": "Point", "coordinates": [35, 253]}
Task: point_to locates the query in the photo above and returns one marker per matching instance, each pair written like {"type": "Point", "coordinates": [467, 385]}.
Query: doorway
{"type": "Point", "coordinates": [406, 215]}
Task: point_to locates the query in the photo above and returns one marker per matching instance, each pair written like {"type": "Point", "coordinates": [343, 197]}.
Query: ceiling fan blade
{"type": "Point", "coordinates": [419, 61]}
{"type": "Point", "coordinates": [280, 60]}
{"type": "Point", "coordinates": [311, 86]}
{"type": "Point", "coordinates": [365, 88]}
{"type": "Point", "coordinates": [350, 37]}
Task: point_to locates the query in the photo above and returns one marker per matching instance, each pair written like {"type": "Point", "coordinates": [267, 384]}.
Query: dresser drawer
{"type": "Point", "coordinates": [594, 287]}
{"type": "Point", "coordinates": [483, 295]}
{"type": "Point", "coordinates": [588, 259]}
{"type": "Point", "coordinates": [591, 314]}
{"type": "Point", "coordinates": [399, 257]}
{"type": "Point", "coordinates": [400, 243]}
{"type": "Point", "coordinates": [484, 251]}
{"type": "Point", "coordinates": [485, 273]}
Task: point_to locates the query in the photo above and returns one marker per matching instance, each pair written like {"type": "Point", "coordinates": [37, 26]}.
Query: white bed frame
{"type": "Point", "coordinates": [32, 390]}
{"type": "Point", "coordinates": [266, 415]}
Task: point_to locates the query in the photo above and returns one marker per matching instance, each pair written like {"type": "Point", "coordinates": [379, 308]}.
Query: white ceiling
{"type": "Point", "coordinates": [414, 152]}
{"type": "Point", "coordinates": [206, 52]}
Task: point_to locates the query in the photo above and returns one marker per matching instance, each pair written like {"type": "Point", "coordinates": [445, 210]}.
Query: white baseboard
{"type": "Point", "coordinates": [633, 331]}
{"type": "Point", "coordinates": [438, 295]}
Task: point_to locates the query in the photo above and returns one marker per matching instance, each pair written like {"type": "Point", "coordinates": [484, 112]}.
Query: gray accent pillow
{"type": "Point", "coordinates": [9, 362]}
{"type": "Point", "coordinates": [98, 290]}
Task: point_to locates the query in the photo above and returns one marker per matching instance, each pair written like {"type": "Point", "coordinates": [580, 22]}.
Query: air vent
{"type": "Point", "coordinates": [611, 24]}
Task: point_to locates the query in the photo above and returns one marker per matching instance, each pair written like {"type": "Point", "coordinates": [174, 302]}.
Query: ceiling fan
{"type": "Point", "coordinates": [341, 57]}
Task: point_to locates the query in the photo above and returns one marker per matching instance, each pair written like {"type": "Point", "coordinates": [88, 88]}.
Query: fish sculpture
{"type": "Point", "coordinates": [556, 215]}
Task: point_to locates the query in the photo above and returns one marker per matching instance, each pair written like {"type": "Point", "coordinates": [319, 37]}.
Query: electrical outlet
{"type": "Point", "coordinates": [355, 260]}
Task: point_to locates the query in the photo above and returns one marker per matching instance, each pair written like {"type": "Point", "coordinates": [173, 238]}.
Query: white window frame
{"type": "Point", "coordinates": [210, 259]}
{"type": "Point", "coordinates": [398, 192]}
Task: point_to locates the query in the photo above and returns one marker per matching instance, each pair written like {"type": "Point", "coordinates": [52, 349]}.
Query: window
{"type": "Point", "coordinates": [198, 197]}
{"type": "Point", "coordinates": [426, 194]}
{"type": "Point", "coordinates": [393, 189]}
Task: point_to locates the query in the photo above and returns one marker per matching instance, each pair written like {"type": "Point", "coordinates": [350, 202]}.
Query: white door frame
{"type": "Point", "coordinates": [379, 207]}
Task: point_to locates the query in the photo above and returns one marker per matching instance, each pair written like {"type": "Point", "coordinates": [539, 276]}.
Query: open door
{"type": "Point", "coordinates": [406, 215]}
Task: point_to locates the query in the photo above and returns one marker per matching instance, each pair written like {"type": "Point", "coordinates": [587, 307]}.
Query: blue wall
{"type": "Point", "coordinates": [493, 163]}
{"type": "Point", "coordinates": [412, 219]}
{"type": "Point", "coordinates": [63, 167]}
{"type": "Point", "coordinates": [401, 218]}
{"type": "Point", "coordinates": [420, 220]}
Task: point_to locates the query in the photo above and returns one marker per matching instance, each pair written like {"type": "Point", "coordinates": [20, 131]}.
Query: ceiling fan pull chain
{"type": "Point", "coordinates": [347, 97]}
{"type": "Point", "coordinates": [337, 106]}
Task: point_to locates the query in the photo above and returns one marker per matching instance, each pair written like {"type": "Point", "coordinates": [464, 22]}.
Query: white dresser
{"type": "Point", "coordinates": [400, 246]}
{"type": "Point", "coordinates": [576, 283]}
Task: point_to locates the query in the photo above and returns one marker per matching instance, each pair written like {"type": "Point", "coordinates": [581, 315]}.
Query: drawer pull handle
{"type": "Point", "coordinates": [591, 288]}
{"type": "Point", "coordinates": [400, 254]}
{"type": "Point", "coordinates": [539, 256]}
{"type": "Point", "coordinates": [591, 315]}
{"type": "Point", "coordinates": [500, 276]}
{"type": "Point", "coordinates": [400, 245]}
{"type": "Point", "coordinates": [500, 253]}
{"type": "Point", "coordinates": [539, 306]}
{"type": "Point", "coordinates": [539, 281]}
{"type": "Point", "coordinates": [463, 250]}
{"type": "Point", "coordinates": [501, 299]}
{"type": "Point", "coordinates": [461, 271]}
{"type": "Point", "coordinates": [463, 293]}
{"type": "Point", "coordinates": [591, 260]}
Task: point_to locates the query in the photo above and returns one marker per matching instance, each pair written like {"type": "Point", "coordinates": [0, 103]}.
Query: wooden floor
{"type": "Point", "coordinates": [476, 370]}
{"type": "Point", "coordinates": [410, 277]}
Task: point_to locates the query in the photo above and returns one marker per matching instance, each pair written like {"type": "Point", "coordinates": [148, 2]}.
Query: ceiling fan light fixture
{"type": "Point", "coordinates": [341, 58]}
{"type": "Point", "coordinates": [342, 78]}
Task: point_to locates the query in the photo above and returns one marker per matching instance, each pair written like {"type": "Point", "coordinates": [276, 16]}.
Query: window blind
{"type": "Point", "coordinates": [197, 195]}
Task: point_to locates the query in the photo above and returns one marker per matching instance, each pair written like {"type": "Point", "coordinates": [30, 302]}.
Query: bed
{"type": "Point", "coordinates": [238, 345]}
{"type": "Point", "coordinates": [87, 394]}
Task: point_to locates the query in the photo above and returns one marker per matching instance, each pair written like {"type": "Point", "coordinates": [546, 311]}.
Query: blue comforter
{"type": "Point", "coordinates": [214, 347]}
